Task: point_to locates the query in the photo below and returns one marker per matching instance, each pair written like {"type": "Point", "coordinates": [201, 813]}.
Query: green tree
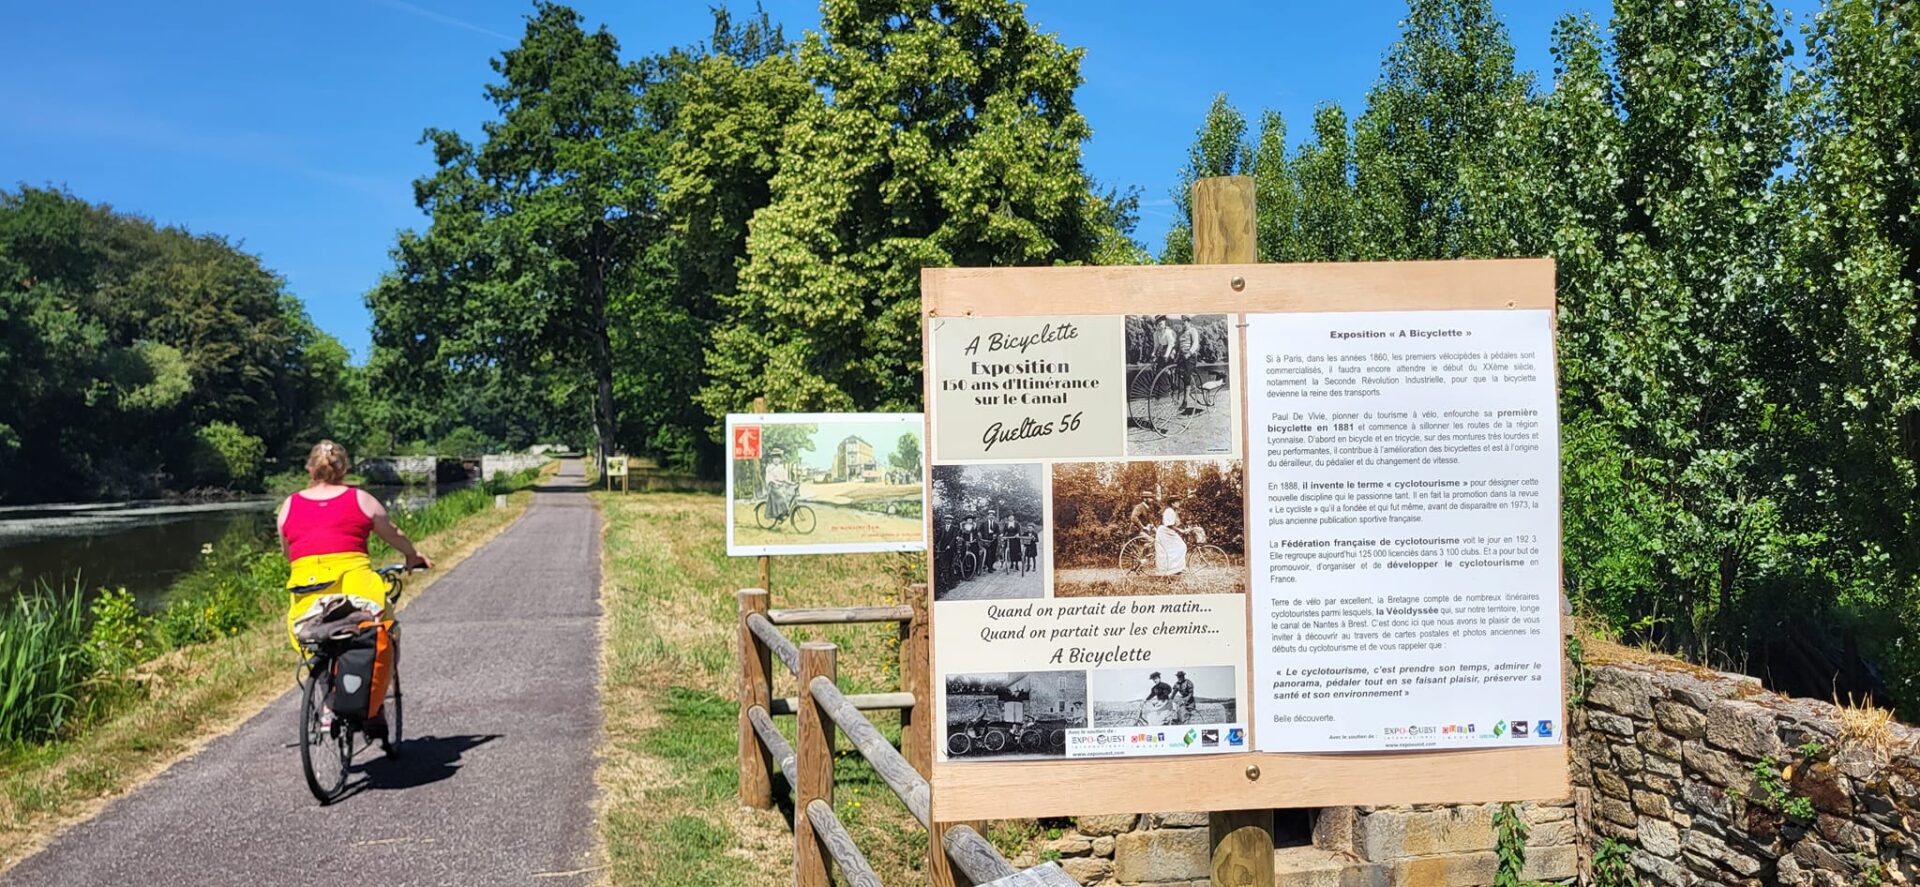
{"type": "Point", "coordinates": [947, 136]}
{"type": "Point", "coordinates": [1850, 308]}
{"type": "Point", "coordinates": [1276, 193]}
{"type": "Point", "coordinates": [1445, 159]}
{"type": "Point", "coordinates": [119, 338]}
{"type": "Point", "coordinates": [722, 109]}
{"type": "Point", "coordinates": [906, 454]}
{"type": "Point", "coordinates": [1323, 169]}
{"type": "Point", "coordinates": [532, 228]}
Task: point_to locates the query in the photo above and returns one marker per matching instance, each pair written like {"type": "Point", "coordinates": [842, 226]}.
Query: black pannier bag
{"type": "Point", "coordinates": [353, 676]}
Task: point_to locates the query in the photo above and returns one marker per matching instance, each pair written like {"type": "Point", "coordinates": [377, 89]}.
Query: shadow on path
{"type": "Point", "coordinates": [422, 761]}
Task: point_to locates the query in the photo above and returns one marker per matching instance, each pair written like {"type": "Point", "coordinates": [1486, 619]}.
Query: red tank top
{"type": "Point", "coordinates": [326, 526]}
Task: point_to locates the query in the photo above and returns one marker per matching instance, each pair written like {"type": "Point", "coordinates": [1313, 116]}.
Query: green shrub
{"type": "Point", "coordinates": [44, 664]}
{"type": "Point", "coordinates": [117, 638]}
{"type": "Point", "coordinates": [225, 456]}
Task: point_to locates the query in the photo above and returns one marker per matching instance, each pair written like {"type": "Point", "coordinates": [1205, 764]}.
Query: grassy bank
{"type": "Point", "coordinates": [669, 813]}
{"type": "Point", "coordinates": [153, 687]}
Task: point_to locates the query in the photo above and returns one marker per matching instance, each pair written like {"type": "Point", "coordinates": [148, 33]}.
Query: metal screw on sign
{"type": "Point", "coordinates": [1253, 772]}
{"type": "Point", "coordinates": [1238, 284]}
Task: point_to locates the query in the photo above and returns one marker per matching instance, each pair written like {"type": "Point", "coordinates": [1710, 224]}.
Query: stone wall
{"type": "Point", "coordinates": [511, 463]}
{"type": "Point", "coordinates": [1701, 778]}
{"type": "Point", "coordinates": [1681, 776]}
{"type": "Point", "coordinates": [398, 469]}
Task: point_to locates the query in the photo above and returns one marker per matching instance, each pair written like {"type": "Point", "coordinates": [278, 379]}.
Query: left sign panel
{"type": "Point", "coordinates": [825, 483]}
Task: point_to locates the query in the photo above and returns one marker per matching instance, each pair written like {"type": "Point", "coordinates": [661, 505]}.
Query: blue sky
{"type": "Point", "coordinates": [294, 128]}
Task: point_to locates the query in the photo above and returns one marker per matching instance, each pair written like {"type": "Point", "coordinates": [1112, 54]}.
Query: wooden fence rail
{"type": "Point", "coordinates": [957, 854]}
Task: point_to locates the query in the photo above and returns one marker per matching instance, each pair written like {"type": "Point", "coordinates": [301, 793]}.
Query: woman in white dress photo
{"type": "Point", "coordinates": [1169, 547]}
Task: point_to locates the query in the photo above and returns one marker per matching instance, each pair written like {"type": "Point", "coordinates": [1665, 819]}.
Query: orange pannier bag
{"type": "Point", "coordinates": [363, 669]}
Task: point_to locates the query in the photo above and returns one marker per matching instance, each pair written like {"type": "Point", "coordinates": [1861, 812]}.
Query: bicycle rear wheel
{"type": "Point", "coordinates": [760, 518]}
{"type": "Point", "coordinates": [395, 711]}
{"type": "Point", "coordinates": [325, 751]}
{"type": "Point", "coordinates": [1135, 555]}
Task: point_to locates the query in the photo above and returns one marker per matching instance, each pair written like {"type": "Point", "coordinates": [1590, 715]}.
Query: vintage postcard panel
{"type": "Point", "coordinates": [825, 483]}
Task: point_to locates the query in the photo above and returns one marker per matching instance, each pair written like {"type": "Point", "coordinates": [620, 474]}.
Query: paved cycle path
{"type": "Point", "coordinates": [499, 661]}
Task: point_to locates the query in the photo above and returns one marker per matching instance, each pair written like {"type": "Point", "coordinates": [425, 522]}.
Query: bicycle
{"type": "Point", "coordinates": [1028, 735]}
{"type": "Point", "coordinates": [1160, 396]}
{"type": "Point", "coordinates": [800, 517]}
{"type": "Point", "coordinates": [1163, 712]}
{"type": "Point", "coordinates": [1136, 554]}
{"type": "Point", "coordinates": [326, 740]}
{"type": "Point", "coordinates": [962, 562]}
{"type": "Point", "coordinates": [1013, 554]}
{"type": "Point", "coordinates": [990, 739]}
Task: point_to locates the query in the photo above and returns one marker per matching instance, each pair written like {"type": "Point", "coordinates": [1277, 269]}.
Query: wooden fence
{"type": "Point", "coordinates": [957, 854]}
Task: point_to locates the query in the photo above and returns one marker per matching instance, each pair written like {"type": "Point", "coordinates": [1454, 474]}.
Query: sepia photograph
{"type": "Point", "coordinates": [988, 527]}
{"type": "Point", "coordinates": [1014, 715]}
{"type": "Point", "coordinates": [1179, 397]}
{"type": "Point", "coordinates": [824, 483]}
{"type": "Point", "coordinates": [1125, 528]}
{"type": "Point", "coordinates": [1150, 697]}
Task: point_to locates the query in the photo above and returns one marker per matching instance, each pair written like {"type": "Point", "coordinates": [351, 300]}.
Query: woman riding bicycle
{"type": "Point", "coordinates": [323, 532]}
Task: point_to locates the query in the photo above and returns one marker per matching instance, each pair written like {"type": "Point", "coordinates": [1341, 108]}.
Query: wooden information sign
{"type": "Point", "coordinates": [1235, 537]}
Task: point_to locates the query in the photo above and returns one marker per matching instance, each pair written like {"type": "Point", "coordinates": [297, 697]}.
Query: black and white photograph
{"type": "Point", "coordinates": [1014, 715]}
{"type": "Point", "coordinates": [1179, 380]}
{"type": "Point", "coordinates": [1151, 697]}
{"type": "Point", "coordinates": [1149, 527]}
{"type": "Point", "coordinates": [988, 531]}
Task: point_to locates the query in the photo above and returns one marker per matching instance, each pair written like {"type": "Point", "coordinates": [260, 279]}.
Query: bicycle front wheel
{"type": "Point", "coordinates": [995, 740]}
{"type": "Point", "coordinates": [969, 564]}
{"type": "Point", "coordinates": [1163, 401]}
{"type": "Point", "coordinates": [804, 520]}
{"type": "Point", "coordinates": [325, 750]}
{"type": "Point", "coordinates": [1204, 556]}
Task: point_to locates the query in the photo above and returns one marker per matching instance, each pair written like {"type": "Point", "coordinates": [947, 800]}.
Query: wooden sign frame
{"type": "Point", "coordinates": [973, 790]}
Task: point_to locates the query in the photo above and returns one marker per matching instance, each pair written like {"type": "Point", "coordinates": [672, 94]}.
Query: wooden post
{"type": "Point", "coordinates": [1223, 234]}
{"type": "Point", "coordinates": [919, 731]}
{"type": "Point", "coordinates": [1223, 215]}
{"type": "Point", "coordinates": [916, 723]}
{"type": "Point", "coordinates": [813, 747]}
{"type": "Point", "coordinates": [756, 688]}
{"type": "Point", "coordinates": [1242, 848]}
{"type": "Point", "coordinates": [766, 562]}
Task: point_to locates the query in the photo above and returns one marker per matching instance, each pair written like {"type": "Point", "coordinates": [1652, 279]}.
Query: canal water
{"type": "Point", "coordinates": [141, 546]}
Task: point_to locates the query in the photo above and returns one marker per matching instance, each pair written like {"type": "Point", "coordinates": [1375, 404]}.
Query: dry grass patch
{"type": "Point", "coordinates": [193, 695]}
{"type": "Point", "coordinates": [669, 809]}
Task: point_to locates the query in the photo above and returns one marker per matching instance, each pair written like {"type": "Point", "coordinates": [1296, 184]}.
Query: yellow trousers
{"type": "Point", "coordinates": [348, 573]}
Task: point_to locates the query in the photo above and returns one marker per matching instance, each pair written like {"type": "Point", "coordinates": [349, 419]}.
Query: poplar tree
{"type": "Point", "coordinates": [1444, 154]}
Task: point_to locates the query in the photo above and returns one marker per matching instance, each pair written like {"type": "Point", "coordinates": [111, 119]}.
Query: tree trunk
{"type": "Point", "coordinates": [603, 422]}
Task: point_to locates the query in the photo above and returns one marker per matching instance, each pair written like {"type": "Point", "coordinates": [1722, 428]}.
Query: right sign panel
{"type": "Point", "coordinates": [1403, 530]}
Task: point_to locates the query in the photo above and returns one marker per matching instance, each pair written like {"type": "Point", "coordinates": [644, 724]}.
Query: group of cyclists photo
{"type": "Point", "coordinates": [987, 532]}
{"type": "Point", "coordinates": [985, 544]}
